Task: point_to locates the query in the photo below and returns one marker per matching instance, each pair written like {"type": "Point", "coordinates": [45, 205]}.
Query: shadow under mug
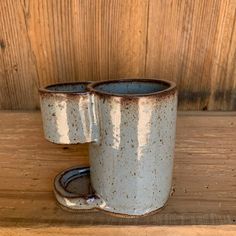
{"type": "Point", "coordinates": [130, 127]}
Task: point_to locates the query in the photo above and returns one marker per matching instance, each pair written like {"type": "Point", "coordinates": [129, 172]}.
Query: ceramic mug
{"type": "Point", "coordinates": [130, 125]}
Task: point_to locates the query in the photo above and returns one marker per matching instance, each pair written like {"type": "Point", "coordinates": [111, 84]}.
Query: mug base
{"type": "Point", "coordinates": [113, 214]}
{"type": "Point", "coordinates": [73, 192]}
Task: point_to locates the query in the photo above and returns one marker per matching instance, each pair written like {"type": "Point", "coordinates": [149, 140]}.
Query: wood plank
{"type": "Point", "coordinates": [87, 40]}
{"type": "Point", "coordinates": [192, 43]}
{"type": "Point", "coordinates": [204, 175]}
{"type": "Point", "coordinates": [49, 41]}
{"type": "Point", "coordinates": [126, 231]}
{"type": "Point", "coordinates": [18, 69]}
{"type": "Point", "coordinates": [223, 86]}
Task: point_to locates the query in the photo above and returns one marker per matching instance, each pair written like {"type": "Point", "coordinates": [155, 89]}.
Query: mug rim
{"type": "Point", "coordinates": [47, 90]}
{"type": "Point", "coordinates": [171, 87]}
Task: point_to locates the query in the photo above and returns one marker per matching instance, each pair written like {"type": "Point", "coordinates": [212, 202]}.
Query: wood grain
{"type": "Point", "coordinates": [87, 40]}
{"type": "Point", "coordinates": [204, 176]}
{"type": "Point", "coordinates": [18, 71]}
{"type": "Point", "coordinates": [194, 44]}
{"type": "Point", "coordinates": [190, 42]}
{"type": "Point", "coordinates": [125, 230]}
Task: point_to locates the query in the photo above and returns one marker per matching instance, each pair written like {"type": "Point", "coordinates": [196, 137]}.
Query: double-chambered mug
{"type": "Point", "coordinates": [130, 127]}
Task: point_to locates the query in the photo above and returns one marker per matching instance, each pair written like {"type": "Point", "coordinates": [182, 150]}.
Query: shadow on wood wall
{"type": "Point", "coordinates": [190, 42]}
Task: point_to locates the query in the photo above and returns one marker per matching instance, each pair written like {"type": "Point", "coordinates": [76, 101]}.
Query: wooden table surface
{"type": "Point", "coordinates": [203, 202]}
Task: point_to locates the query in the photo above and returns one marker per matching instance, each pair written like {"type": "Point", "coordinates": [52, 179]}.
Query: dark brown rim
{"type": "Point", "coordinates": [47, 90]}
{"type": "Point", "coordinates": [91, 87]}
{"type": "Point", "coordinates": [171, 87]}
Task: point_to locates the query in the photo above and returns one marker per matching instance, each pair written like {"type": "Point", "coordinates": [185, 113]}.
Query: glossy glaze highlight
{"type": "Point", "coordinates": [130, 125]}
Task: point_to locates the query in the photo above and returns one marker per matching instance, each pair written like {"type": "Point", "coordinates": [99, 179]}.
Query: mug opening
{"type": "Point", "coordinates": [73, 87]}
{"type": "Point", "coordinates": [132, 87]}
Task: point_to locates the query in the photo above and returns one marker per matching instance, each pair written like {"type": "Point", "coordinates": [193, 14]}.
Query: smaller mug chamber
{"type": "Point", "coordinates": [67, 112]}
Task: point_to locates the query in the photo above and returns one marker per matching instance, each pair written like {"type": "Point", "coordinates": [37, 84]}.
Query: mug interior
{"type": "Point", "coordinates": [68, 88]}
{"type": "Point", "coordinates": [131, 87]}
{"type": "Point", "coordinates": [124, 87]}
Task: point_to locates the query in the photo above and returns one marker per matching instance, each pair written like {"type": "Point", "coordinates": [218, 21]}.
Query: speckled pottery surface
{"type": "Point", "coordinates": [130, 125]}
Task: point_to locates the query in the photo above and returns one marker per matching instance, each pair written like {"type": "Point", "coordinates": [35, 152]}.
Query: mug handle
{"type": "Point", "coordinates": [74, 201]}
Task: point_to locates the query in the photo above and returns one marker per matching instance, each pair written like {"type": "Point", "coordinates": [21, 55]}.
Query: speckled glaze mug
{"type": "Point", "coordinates": [130, 125]}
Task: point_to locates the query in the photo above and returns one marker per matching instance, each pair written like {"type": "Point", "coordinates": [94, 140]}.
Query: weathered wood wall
{"type": "Point", "coordinates": [192, 42]}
